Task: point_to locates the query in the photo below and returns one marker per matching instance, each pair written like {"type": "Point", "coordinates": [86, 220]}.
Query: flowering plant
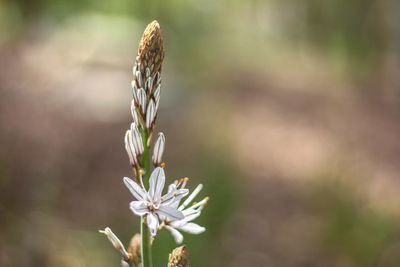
{"type": "Point", "coordinates": [157, 211]}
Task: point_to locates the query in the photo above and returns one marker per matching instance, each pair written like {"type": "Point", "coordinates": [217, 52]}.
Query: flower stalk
{"type": "Point", "coordinates": [156, 211]}
{"type": "Point", "coordinates": [144, 231]}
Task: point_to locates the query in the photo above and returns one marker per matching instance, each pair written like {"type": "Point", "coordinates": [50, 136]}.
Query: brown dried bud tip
{"type": "Point", "coordinates": [134, 250]}
{"type": "Point", "coordinates": [151, 48]}
{"type": "Point", "coordinates": [179, 257]}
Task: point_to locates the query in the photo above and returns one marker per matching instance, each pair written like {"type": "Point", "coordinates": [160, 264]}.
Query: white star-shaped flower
{"type": "Point", "coordinates": [190, 213]}
{"type": "Point", "coordinates": [151, 203]}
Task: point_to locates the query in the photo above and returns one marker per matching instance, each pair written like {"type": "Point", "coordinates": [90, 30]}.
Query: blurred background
{"type": "Point", "coordinates": [287, 111]}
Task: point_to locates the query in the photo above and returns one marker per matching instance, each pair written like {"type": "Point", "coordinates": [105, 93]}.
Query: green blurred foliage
{"type": "Point", "coordinates": [352, 232]}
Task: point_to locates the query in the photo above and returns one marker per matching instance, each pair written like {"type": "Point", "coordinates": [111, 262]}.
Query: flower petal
{"type": "Point", "coordinates": [192, 216]}
{"type": "Point", "coordinates": [136, 190]}
{"type": "Point", "coordinates": [191, 196]}
{"type": "Point", "coordinates": [139, 208]}
{"type": "Point", "coordinates": [176, 234]}
{"type": "Point", "coordinates": [152, 223]}
{"type": "Point", "coordinates": [170, 213]}
{"type": "Point", "coordinates": [157, 181]}
{"type": "Point", "coordinates": [174, 196]}
{"type": "Point", "coordinates": [192, 228]}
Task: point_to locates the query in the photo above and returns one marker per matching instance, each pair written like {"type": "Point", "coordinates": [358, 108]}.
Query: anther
{"type": "Point", "coordinates": [186, 179]}
{"type": "Point", "coordinates": [141, 172]}
{"type": "Point", "coordinates": [163, 165]}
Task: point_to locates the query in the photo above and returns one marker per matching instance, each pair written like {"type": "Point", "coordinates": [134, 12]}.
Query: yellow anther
{"type": "Point", "coordinates": [141, 172]}
{"type": "Point", "coordinates": [181, 181]}
{"type": "Point", "coordinates": [194, 203]}
{"type": "Point", "coordinates": [162, 165]}
{"type": "Point", "coordinates": [186, 179]}
{"type": "Point", "coordinates": [206, 199]}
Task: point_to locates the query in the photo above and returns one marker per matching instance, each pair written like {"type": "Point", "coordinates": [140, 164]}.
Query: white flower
{"type": "Point", "coordinates": [190, 213]}
{"type": "Point", "coordinates": [151, 203]}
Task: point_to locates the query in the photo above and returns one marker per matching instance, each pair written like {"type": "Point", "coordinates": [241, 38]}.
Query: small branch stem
{"type": "Point", "coordinates": [145, 233]}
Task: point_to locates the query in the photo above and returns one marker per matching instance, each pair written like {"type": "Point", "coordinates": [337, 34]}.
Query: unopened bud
{"type": "Point", "coordinates": [142, 99]}
{"type": "Point", "coordinates": [135, 116]}
{"type": "Point", "coordinates": [150, 114]}
{"type": "Point", "coordinates": [136, 139]}
{"type": "Point", "coordinates": [130, 148]}
{"type": "Point", "coordinates": [159, 149]}
{"type": "Point", "coordinates": [179, 257]}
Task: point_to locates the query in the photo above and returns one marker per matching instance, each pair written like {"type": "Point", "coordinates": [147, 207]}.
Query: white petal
{"type": "Point", "coordinates": [171, 187]}
{"type": "Point", "coordinates": [139, 207]}
{"type": "Point", "coordinates": [170, 213]}
{"type": "Point", "coordinates": [152, 223]}
{"type": "Point", "coordinates": [176, 234]}
{"type": "Point", "coordinates": [136, 190]}
{"type": "Point", "coordinates": [192, 228]}
{"type": "Point", "coordinates": [191, 197]}
{"type": "Point", "coordinates": [157, 181]}
{"type": "Point", "coordinates": [192, 216]}
{"type": "Point", "coordinates": [173, 196]}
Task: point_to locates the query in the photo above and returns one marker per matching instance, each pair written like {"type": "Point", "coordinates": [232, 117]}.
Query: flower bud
{"type": "Point", "coordinates": [158, 149]}
{"type": "Point", "coordinates": [179, 257]}
{"type": "Point", "coordinates": [136, 139]}
{"type": "Point", "coordinates": [134, 249]}
{"type": "Point", "coordinates": [142, 99]}
{"type": "Point", "coordinates": [135, 116]}
{"type": "Point", "coordinates": [151, 114]}
{"type": "Point", "coordinates": [130, 148]}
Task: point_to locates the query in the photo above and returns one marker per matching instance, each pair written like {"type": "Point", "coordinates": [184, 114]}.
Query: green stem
{"type": "Point", "coordinates": [145, 233]}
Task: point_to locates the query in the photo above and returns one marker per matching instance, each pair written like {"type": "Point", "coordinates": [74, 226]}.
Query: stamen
{"type": "Point", "coordinates": [186, 179]}
{"type": "Point", "coordinates": [141, 172]}
{"type": "Point", "coordinates": [163, 165]}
